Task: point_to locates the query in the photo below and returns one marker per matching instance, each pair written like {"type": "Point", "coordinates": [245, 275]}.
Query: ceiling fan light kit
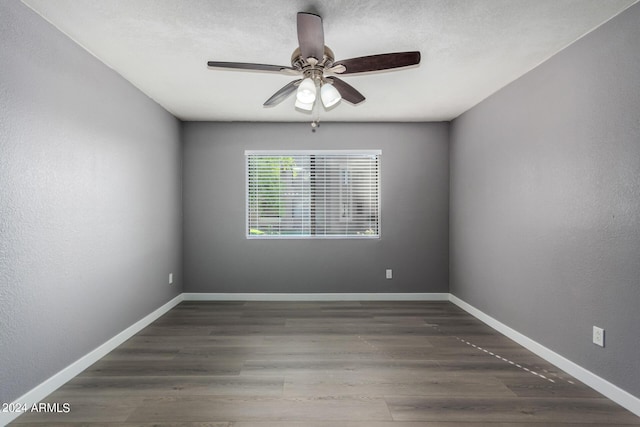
{"type": "Point", "coordinates": [307, 106]}
{"type": "Point", "coordinates": [329, 95]}
{"type": "Point", "coordinates": [306, 91]}
{"type": "Point", "coordinates": [315, 62]}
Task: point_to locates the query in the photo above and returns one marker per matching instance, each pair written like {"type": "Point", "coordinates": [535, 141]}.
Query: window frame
{"type": "Point", "coordinates": [293, 153]}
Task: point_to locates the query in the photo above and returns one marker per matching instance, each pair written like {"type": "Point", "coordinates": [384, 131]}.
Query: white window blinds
{"type": "Point", "coordinates": [313, 194]}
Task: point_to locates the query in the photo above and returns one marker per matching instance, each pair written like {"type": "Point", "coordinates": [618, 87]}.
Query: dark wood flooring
{"type": "Point", "coordinates": [320, 364]}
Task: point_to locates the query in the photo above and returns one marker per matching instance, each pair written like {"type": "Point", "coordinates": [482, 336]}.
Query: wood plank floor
{"type": "Point", "coordinates": [320, 364]}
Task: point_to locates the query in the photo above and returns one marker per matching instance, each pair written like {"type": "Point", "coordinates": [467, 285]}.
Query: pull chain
{"type": "Point", "coordinates": [315, 123]}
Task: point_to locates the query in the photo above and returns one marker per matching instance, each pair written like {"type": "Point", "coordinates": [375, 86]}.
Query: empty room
{"type": "Point", "coordinates": [391, 213]}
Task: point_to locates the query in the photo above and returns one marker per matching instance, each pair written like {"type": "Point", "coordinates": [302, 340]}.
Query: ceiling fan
{"type": "Point", "coordinates": [315, 63]}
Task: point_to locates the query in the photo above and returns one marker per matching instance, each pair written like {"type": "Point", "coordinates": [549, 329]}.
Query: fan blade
{"type": "Point", "coordinates": [347, 92]}
{"type": "Point", "coordinates": [283, 93]}
{"type": "Point", "coordinates": [310, 35]}
{"type": "Point", "coordinates": [249, 67]}
{"type": "Point", "coordinates": [384, 61]}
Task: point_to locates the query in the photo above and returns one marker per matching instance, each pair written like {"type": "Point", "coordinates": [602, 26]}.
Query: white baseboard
{"type": "Point", "coordinates": [599, 384]}
{"type": "Point", "coordinates": [50, 385]}
{"type": "Point", "coordinates": [316, 297]}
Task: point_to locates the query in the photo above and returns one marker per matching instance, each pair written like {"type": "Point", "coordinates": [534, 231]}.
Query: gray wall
{"type": "Point", "coordinates": [90, 218]}
{"type": "Point", "coordinates": [414, 212]}
{"type": "Point", "coordinates": [545, 202]}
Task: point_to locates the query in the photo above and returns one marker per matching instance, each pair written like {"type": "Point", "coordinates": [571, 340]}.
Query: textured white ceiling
{"type": "Point", "coordinates": [470, 49]}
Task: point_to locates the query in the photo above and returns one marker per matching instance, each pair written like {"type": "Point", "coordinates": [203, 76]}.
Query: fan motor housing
{"type": "Point", "coordinates": [309, 65]}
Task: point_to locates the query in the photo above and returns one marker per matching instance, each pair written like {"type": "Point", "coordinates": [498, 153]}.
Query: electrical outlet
{"type": "Point", "coordinates": [171, 278]}
{"type": "Point", "coordinates": [389, 273]}
{"type": "Point", "coordinates": [598, 336]}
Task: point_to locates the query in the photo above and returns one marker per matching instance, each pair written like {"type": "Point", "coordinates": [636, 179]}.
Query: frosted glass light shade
{"type": "Point", "coordinates": [304, 105]}
{"type": "Point", "coordinates": [330, 95]}
{"type": "Point", "coordinates": [306, 91]}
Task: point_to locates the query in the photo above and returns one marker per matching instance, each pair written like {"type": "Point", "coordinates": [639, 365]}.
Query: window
{"type": "Point", "coordinates": [313, 194]}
